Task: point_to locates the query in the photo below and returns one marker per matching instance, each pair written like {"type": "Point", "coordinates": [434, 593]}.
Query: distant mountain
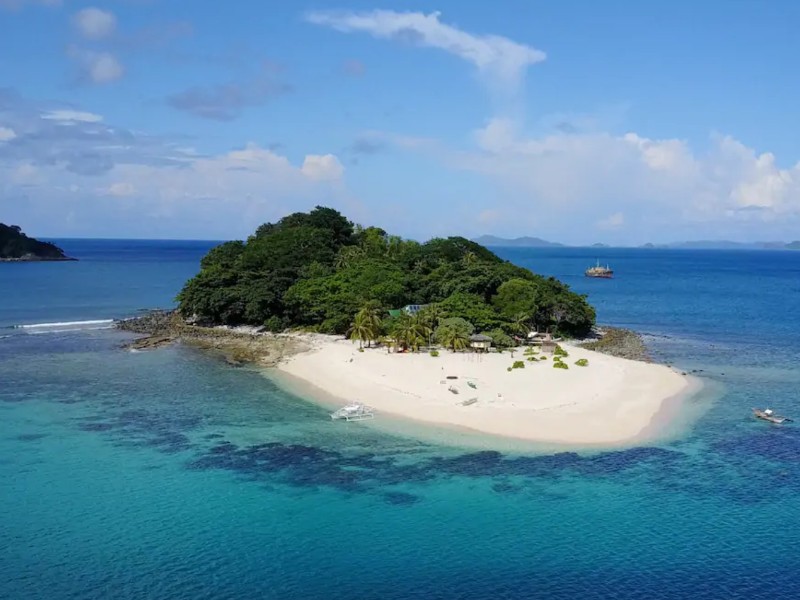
{"type": "Point", "coordinates": [793, 246]}
{"type": "Point", "coordinates": [16, 246]}
{"type": "Point", "coordinates": [600, 245]}
{"type": "Point", "coordinates": [520, 242]}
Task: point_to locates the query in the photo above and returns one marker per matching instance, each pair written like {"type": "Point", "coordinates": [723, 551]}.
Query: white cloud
{"type": "Point", "coordinates": [322, 168]}
{"type": "Point", "coordinates": [72, 116]}
{"type": "Point", "coordinates": [94, 24]}
{"type": "Point", "coordinates": [7, 134]}
{"type": "Point", "coordinates": [645, 187]}
{"type": "Point", "coordinates": [119, 189]}
{"type": "Point", "coordinates": [501, 59]}
{"type": "Point", "coordinates": [614, 221]}
{"type": "Point", "coordinates": [212, 197]}
{"type": "Point", "coordinates": [96, 67]}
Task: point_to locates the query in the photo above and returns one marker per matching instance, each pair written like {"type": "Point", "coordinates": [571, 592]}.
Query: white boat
{"type": "Point", "coordinates": [353, 412]}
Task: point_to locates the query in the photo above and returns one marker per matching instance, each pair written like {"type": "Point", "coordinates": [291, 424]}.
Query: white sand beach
{"type": "Point", "coordinates": [609, 402]}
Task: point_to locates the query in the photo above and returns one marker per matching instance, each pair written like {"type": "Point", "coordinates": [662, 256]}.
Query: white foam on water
{"type": "Point", "coordinates": [106, 323]}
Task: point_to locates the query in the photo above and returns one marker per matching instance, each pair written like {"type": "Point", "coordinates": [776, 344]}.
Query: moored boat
{"type": "Point", "coordinates": [354, 411]}
{"type": "Point", "coordinates": [768, 415]}
{"type": "Point", "coordinates": [599, 271]}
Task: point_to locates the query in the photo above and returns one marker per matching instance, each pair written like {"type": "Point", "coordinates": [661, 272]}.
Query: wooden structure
{"type": "Point", "coordinates": [480, 342]}
{"type": "Point", "coordinates": [548, 344]}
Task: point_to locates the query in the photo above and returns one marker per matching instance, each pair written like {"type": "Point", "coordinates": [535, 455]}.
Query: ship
{"type": "Point", "coordinates": [600, 271]}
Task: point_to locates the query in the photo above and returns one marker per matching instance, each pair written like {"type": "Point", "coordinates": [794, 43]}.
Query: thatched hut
{"type": "Point", "coordinates": [480, 342]}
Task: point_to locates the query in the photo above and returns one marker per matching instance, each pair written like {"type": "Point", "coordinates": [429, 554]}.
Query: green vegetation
{"type": "Point", "coordinates": [16, 245]}
{"type": "Point", "coordinates": [542, 358]}
{"type": "Point", "coordinates": [560, 365]}
{"type": "Point", "coordinates": [582, 362]}
{"type": "Point", "coordinates": [434, 353]}
{"type": "Point", "coordinates": [454, 333]}
{"type": "Point", "coordinates": [559, 351]}
{"type": "Point", "coordinates": [319, 272]}
{"type": "Point", "coordinates": [518, 364]}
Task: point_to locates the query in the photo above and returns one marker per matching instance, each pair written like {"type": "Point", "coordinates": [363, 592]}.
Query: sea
{"type": "Point", "coordinates": [170, 474]}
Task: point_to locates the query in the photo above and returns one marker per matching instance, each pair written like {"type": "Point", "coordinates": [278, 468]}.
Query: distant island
{"type": "Point", "coordinates": [725, 245]}
{"type": "Point", "coordinates": [535, 242]}
{"type": "Point", "coordinates": [520, 242]}
{"type": "Point", "coordinates": [15, 246]}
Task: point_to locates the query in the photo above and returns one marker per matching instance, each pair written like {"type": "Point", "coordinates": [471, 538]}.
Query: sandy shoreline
{"type": "Point", "coordinates": [612, 401]}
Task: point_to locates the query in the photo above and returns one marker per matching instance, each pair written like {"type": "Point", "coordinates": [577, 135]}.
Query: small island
{"type": "Point", "coordinates": [443, 332]}
{"type": "Point", "coordinates": [15, 246]}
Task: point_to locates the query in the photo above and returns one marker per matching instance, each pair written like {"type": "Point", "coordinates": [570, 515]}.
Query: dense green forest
{"type": "Point", "coordinates": [318, 271]}
{"type": "Point", "coordinates": [17, 245]}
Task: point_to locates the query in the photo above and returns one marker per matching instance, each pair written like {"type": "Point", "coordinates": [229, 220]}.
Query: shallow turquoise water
{"type": "Point", "coordinates": [171, 475]}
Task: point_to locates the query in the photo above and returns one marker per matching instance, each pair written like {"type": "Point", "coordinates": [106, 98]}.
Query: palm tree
{"type": "Point", "coordinates": [366, 325]}
{"type": "Point", "coordinates": [370, 314]}
{"type": "Point", "coordinates": [455, 339]}
{"type": "Point", "coordinates": [521, 324]}
{"type": "Point", "coordinates": [360, 330]}
{"type": "Point", "coordinates": [469, 258]}
{"type": "Point", "coordinates": [432, 314]}
{"type": "Point", "coordinates": [422, 329]}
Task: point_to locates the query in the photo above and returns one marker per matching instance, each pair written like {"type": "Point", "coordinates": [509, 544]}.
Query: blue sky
{"type": "Point", "coordinates": [619, 121]}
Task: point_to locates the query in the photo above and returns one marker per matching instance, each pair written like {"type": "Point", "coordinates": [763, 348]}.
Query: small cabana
{"type": "Point", "coordinates": [548, 344]}
{"type": "Point", "coordinates": [480, 342]}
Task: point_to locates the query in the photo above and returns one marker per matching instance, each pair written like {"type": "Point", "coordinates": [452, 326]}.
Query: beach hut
{"type": "Point", "coordinates": [548, 344]}
{"type": "Point", "coordinates": [480, 342]}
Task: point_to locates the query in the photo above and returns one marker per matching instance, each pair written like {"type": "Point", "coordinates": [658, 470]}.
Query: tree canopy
{"type": "Point", "coordinates": [318, 270]}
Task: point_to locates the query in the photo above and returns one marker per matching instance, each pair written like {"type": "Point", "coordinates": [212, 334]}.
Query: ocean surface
{"type": "Point", "coordinates": [172, 475]}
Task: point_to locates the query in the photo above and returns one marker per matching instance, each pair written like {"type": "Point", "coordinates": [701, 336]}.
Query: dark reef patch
{"type": "Point", "coordinates": [30, 437]}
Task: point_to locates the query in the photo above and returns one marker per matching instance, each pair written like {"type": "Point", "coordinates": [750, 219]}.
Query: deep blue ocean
{"type": "Point", "coordinates": [172, 475]}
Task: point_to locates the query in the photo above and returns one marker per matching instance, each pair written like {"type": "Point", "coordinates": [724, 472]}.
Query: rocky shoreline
{"type": "Point", "coordinates": [622, 343]}
{"type": "Point", "coordinates": [32, 258]}
{"type": "Point", "coordinates": [237, 346]}
{"type": "Point", "coordinates": [254, 345]}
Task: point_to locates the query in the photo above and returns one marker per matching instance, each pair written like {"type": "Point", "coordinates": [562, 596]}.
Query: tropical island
{"type": "Point", "coordinates": [442, 332]}
{"type": "Point", "coordinates": [15, 246]}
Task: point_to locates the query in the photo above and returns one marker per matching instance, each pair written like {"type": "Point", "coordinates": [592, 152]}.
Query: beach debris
{"type": "Point", "coordinates": [468, 402]}
{"type": "Point", "coordinates": [452, 389]}
{"type": "Point", "coordinates": [473, 385]}
{"type": "Point", "coordinates": [452, 377]}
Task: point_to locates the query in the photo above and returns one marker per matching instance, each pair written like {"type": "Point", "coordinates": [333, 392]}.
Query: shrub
{"type": "Point", "coordinates": [508, 369]}
{"type": "Point", "coordinates": [542, 358]}
{"type": "Point", "coordinates": [560, 365]}
{"type": "Point", "coordinates": [275, 324]}
{"type": "Point", "coordinates": [582, 362]}
{"type": "Point", "coordinates": [434, 353]}
{"type": "Point", "coordinates": [532, 359]}
{"type": "Point", "coordinates": [559, 351]}
{"type": "Point", "coordinates": [518, 364]}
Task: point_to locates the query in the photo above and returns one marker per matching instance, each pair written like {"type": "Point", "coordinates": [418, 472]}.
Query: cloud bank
{"type": "Point", "coordinates": [73, 174]}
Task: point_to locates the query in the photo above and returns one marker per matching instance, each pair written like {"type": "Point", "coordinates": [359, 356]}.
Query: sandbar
{"type": "Point", "coordinates": [612, 401]}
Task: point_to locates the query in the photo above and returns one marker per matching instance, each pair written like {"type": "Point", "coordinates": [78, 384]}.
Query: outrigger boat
{"type": "Point", "coordinates": [770, 416]}
{"type": "Point", "coordinates": [353, 412]}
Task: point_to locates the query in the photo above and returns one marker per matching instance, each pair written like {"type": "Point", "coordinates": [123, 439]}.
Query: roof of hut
{"type": "Point", "coordinates": [480, 337]}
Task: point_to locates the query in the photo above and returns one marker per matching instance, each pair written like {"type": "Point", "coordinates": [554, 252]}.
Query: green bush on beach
{"type": "Point", "coordinates": [518, 364]}
{"type": "Point", "coordinates": [434, 353]}
{"type": "Point", "coordinates": [582, 362]}
{"type": "Point", "coordinates": [560, 365]}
